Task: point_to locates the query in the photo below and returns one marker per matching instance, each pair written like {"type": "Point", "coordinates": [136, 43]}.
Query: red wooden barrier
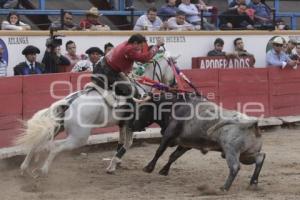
{"type": "Point", "coordinates": [277, 90]}
{"type": "Point", "coordinates": [284, 92]}
{"type": "Point", "coordinates": [245, 90]}
{"type": "Point", "coordinates": [205, 81]}
{"type": "Point", "coordinates": [10, 109]}
{"type": "Point", "coordinates": [40, 91]}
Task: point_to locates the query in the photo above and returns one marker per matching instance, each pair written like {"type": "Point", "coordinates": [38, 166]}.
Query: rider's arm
{"type": "Point", "coordinates": [142, 56]}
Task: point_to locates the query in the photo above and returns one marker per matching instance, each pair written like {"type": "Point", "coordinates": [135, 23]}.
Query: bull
{"type": "Point", "coordinates": [192, 122]}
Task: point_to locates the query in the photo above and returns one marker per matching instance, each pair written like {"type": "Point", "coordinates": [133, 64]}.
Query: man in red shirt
{"type": "Point", "coordinates": [119, 61]}
{"type": "Point", "coordinates": [116, 64]}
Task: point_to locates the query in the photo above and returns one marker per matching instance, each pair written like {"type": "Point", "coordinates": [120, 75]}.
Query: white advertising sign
{"type": "Point", "coordinates": [187, 46]}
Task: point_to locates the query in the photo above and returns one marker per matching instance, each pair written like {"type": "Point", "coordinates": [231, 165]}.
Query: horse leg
{"type": "Point", "coordinates": [122, 138]}
{"type": "Point", "coordinates": [128, 139]}
{"type": "Point", "coordinates": [76, 137]}
{"type": "Point", "coordinates": [173, 157]}
{"type": "Point", "coordinates": [28, 158]}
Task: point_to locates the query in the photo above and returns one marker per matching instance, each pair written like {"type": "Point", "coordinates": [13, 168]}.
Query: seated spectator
{"type": "Point", "coordinates": [262, 13]}
{"type": "Point", "coordinates": [108, 47]}
{"type": "Point", "coordinates": [3, 63]}
{"type": "Point", "coordinates": [240, 48]}
{"type": "Point", "coordinates": [149, 21]}
{"type": "Point", "coordinates": [212, 9]}
{"type": "Point", "coordinates": [233, 5]}
{"type": "Point", "coordinates": [168, 10]}
{"type": "Point", "coordinates": [71, 53]}
{"type": "Point", "coordinates": [13, 23]}
{"type": "Point", "coordinates": [296, 55]}
{"type": "Point", "coordinates": [236, 19]}
{"type": "Point", "coordinates": [68, 23]}
{"type": "Point", "coordinates": [192, 14]}
{"type": "Point", "coordinates": [9, 4]}
{"type": "Point", "coordinates": [30, 66]}
{"type": "Point", "coordinates": [178, 23]}
{"type": "Point", "coordinates": [280, 25]}
{"type": "Point", "coordinates": [218, 49]}
{"type": "Point", "coordinates": [94, 54]}
{"type": "Point", "coordinates": [92, 22]}
{"type": "Point", "coordinates": [53, 59]}
{"type": "Point", "coordinates": [290, 47]}
{"type": "Point", "coordinates": [277, 58]}
{"type": "Point", "coordinates": [115, 4]}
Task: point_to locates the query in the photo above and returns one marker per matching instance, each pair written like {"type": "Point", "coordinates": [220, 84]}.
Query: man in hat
{"type": "Point", "coordinates": [92, 22]}
{"type": "Point", "coordinates": [290, 47]}
{"type": "Point", "coordinates": [30, 66]}
{"type": "Point", "coordinates": [94, 55]}
{"type": "Point", "coordinates": [277, 58]}
{"type": "Point", "coordinates": [3, 63]}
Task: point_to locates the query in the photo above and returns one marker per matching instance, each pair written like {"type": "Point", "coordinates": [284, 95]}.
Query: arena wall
{"type": "Point", "coordinates": [257, 92]}
{"type": "Point", "coordinates": [185, 44]}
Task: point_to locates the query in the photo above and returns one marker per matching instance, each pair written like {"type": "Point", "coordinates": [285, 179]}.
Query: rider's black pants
{"type": "Point", "coordinates": [105, 77]}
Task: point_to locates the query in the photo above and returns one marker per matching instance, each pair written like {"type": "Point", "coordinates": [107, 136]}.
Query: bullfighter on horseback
{"type": "Point", "coordinates": [117, 64]}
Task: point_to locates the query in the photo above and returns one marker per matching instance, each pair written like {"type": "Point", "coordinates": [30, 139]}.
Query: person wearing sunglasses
{"type": "Point", "coordinates": [276, 57]}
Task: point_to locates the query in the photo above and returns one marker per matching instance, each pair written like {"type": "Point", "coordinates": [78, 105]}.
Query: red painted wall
{"type": "Point", "coordinates": [278, 91]}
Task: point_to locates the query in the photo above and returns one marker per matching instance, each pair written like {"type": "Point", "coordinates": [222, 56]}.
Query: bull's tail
{"type": "Point", "coordinates": [243, 125]}
{"type": "Point", "coordinates": [43, 126]}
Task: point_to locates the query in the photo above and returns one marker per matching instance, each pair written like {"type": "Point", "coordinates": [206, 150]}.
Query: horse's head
{"type": "Point", "coordinates": [157, 69]}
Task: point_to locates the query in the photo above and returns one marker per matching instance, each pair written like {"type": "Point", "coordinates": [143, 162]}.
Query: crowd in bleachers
{"type": "Point", "coordinates": [174, 15]}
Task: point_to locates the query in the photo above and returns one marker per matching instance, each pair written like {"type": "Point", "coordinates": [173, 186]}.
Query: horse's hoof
{"type": "Point", "coordinates": [223, 189]}
{"type": "Point", "coordinates": [148, 169]}
{"type": "Point", "coordinates": [163, 172]}
{"type": "Point", "coordinates": [22, 172]}
{"type": "Point", "coordinates": [255, 182]}
{"type": "Point", "coordinates": [110, 171]}
{"type": "Point", "coordinates": [118, 162]}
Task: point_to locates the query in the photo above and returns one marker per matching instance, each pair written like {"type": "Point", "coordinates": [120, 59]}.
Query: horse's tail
{"type": "Point", "coordinates": [43, 126]}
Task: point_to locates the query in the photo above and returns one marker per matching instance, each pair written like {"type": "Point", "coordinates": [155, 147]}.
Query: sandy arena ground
{"type": "Point", "coordinates": [81, 175]}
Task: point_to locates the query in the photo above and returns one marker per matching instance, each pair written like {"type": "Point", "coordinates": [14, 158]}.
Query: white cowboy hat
{"type": "Point", "coordinates": [278, 40]}
{"type": "Point", "coordinates": [93, 11]}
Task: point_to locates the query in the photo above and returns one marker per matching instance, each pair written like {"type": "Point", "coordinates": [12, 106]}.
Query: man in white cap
{"type": "Point", "coordinates": [277, 58]}
{"type": "Point", "coordinates": [3, 63]}
{"type": "Point", "coordinates": [92, 22]}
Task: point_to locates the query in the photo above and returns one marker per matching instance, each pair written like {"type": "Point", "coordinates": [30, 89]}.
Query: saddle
{"type": "Point", "coordinates": [108, 95]}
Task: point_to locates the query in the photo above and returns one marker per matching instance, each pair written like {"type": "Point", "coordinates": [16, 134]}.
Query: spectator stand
{"type": "Point", "coordinates": [42, 10]}
{"type": "Point", "coordinates": [292, 15]}
{"type": "Point", "coordinates": [120, 10]}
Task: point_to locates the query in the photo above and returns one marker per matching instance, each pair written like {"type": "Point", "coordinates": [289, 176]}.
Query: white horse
{"type": "Point", "coordinates": [77, 116]}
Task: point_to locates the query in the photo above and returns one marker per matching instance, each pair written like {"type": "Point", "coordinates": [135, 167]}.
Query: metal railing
{"type": "Point", "coordinates": [292, 15]}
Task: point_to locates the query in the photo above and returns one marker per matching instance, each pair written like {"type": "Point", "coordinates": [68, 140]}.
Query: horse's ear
{"type": "Point", "coordinates": [175, 58]}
